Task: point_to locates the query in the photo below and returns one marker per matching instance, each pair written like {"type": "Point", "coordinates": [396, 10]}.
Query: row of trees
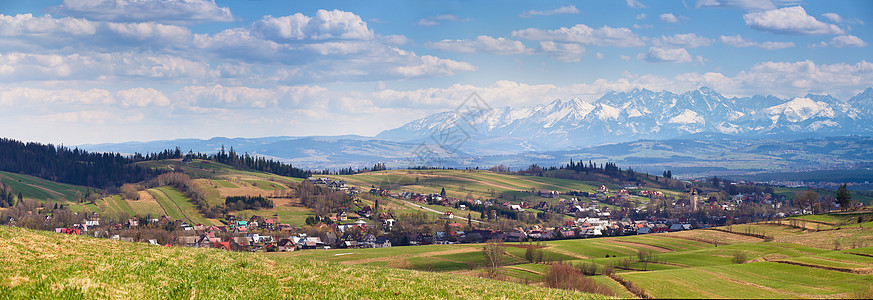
{"type": "Point", "coordinates": [247, 202]}
{"type": "Point", "coordinates": [73, 166]}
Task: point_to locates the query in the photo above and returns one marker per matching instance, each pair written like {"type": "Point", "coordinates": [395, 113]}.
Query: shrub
{"type": "Point", "coordinates": [739, 257]}
{"type": "Point", "coordinates": [608, 269]}
{"type": "Point", "coordinates": [129, 191]}
{"type": "Point", "coordinates": [589, 268]}
{"type": "Point", "coordinates": [565, 276]}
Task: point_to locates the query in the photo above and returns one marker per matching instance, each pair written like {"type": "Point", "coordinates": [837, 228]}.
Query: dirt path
{"type": "Point", "coordinates": [177, 206]}
{"type": "Point", "coordinates": [422, 207]}
{"type": "Point", "coordinates": [146, 196]}
{"type": "Point", "coordinates": [526, 270]}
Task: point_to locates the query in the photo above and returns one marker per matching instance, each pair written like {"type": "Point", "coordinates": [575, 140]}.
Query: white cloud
{"type": "Point", "coordinates": [566, 52]}
{"type": "Point", "coordinates": [28, 97]}
{"type": "Point", "coordinates": [286, 97]}
{"type": "Point", "coordinates": [669, 18]}
{"type": "Point", "coordinates": [798, 78]}
{"type": "Point", "coordinates": [845, 41]}
{"type": "Point", "coordinates": [435, 20]}
{"type": "Point", "coordinates": [599, 55]}
{"type": "Point", "coordinates": [482, 44]}
{"type": "Point", "coordinates": [833, 17]}
{"type": "Point", "coordinates": [569, 9]}
{"type": "Point", "coordinates": [324, 25]}
{"type": "Point", "coordinates": [172, 11]}
{"type": "Point", "coordinates": [635, 4]}
{"type": "Point", "coordinates": [671, 55]}
{"type": "Point", "coordinates": [740, 42]}
{"type": "Point", "coordinates": [640, 16]}
{"type": "Point", "coordinates": [625, 57]}
{"type": "Point", "coordinates": [789, 20]}
{"type": "Point", "coordinates": [686, 40]}
{"type": "Point", "coordinates": [16, 67]}
{"type": "Point", "coordinates": [739, 4]}
{"type": "Point", "coordinates": [141, 97]}
{"type": "Point", "coordinates": [582, 34]}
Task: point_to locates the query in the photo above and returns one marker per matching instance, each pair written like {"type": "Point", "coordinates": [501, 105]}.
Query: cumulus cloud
{"type": "Point", "coordinates": [569, 9]}
{"type": "Point", "coordinates": [640, 16]}
{"type": "Point", "coordinates": [47, 32]}
{"type": "Point", "coordinates": [166, 11]}
{"type": "Point", "coordinates": [739, 42]}
{"type": "Point", "coordinates": [582, 34]}
{"type": "Point", "coordinates": [669, 18]}
{"type": "Point", "coordinates": [324, 25]}
{"type": "Point", "coordinates": [328, 46]}
{"type": "Point", "coordinates": [833, 17]}
{"type": "Point", "coordinates": [482, 44]}
{"type": "Point", "coordinates": [17, 67]}
{"type": "Point", "coordinates": [218, 96]}
{"type": "Point", "coordinates": [566, 52]}
{"type": "Point", "coordinates": [843, 41]}
{"type": "Point", "coordinates": [669, 55]}
{"type": "Point", "coordinates": [27, 97]}
{"type": "Point", "coordinates": [435, 20]}
{"type": "Point", "coordinates": [789, 20]}
{"type": "Point", "coordinates": [141, 97]}
{"type": "Point", "coordinates": [797, 78]}
{"type": "Point", "coordinates": [686, 40]}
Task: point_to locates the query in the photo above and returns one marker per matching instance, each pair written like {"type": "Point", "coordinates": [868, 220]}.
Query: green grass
{"type": "Point", "coordinates": [173, 211]}
{"type": "Point", "coordinates": [188, 210]}
{"type": "Point", "coordinates": [41, 265]}
{"type": "Point", "coordinates": [225, 183]}
{"type": "Point", "coordinates": [266, 185]}
{"type": "Point", "coordinates": [40, 189]}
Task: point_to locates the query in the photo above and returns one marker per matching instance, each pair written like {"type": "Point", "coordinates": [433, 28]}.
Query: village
{"type": "Point", "coordinates": [583, 214]}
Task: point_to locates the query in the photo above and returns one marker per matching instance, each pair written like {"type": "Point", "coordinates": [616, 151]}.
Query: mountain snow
{"type": "Point", "coordinates": [645, 114]}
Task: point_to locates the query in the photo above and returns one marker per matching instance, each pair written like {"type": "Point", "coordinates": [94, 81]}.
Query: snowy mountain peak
{"type": "Point", "coordinates": [644, 114]}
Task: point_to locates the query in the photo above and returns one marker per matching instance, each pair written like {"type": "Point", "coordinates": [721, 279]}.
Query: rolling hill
{"type": "Point", "coordinates": [39, 264]}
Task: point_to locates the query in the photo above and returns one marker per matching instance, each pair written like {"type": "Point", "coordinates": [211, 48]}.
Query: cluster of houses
{"type": "Point", "coordinates": [328, 183]}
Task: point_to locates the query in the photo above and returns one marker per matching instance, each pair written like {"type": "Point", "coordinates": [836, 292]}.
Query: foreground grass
{"type": "Point", "coordinates": [43, 265]}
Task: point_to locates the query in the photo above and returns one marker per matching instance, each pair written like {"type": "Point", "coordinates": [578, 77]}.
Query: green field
{"type": "Point", "coordinates": [40, 189]}
{"type": "Point", "coordinates": [266, 185]}
{"type": "Point", "coordinates": [40, 265]}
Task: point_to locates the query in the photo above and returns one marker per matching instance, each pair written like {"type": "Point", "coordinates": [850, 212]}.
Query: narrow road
{"type": "Point", "coordinates": [418, 206]}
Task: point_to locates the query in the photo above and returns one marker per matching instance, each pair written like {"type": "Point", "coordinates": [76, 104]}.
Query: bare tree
{"type": "Point", "coordinates": [493, 251]}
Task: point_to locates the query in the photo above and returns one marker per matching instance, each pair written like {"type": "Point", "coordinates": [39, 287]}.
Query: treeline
{"type": "Point", "coordinates": [248, 162]}
{"type": "Point", "coordinates": [246, 202]}
{"type": "Point", "coordinates": [608, 168]}
{"type": "Point", "coordinates": [73, 166]}
{"type": "Point", "coordinates": [352, 171]}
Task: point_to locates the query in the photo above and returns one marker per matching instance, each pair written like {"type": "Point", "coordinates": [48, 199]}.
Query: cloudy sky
{"type": "Point", "coordinates": [93, 71]}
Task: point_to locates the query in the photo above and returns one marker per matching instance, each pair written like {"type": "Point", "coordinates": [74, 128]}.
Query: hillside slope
{"type": "Point", "coordinates": [40, 264]}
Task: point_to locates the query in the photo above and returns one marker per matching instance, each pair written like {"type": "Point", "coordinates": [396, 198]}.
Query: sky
{"type": "Point", "coordinates": [95, 71]}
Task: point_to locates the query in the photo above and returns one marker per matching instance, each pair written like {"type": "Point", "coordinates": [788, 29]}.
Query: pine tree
{"type": "Point", "coordinates": [443, 193]}
{"type": "Point", "coordinates": [844, 197]}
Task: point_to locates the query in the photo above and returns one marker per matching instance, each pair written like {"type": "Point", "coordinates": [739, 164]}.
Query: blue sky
{"type": "Point", "coordinates": [91, 71]}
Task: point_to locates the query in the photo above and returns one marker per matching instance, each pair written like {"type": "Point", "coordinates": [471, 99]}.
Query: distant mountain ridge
{"type": "Point", "coordinates": [644, 114]}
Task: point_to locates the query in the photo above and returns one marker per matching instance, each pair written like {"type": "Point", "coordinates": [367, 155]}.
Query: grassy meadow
{"type": "Point", "coordinates": [40, 265]}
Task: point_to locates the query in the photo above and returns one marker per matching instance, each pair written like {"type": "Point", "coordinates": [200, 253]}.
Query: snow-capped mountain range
{"type": "Point", "coordinates": [645, 114]}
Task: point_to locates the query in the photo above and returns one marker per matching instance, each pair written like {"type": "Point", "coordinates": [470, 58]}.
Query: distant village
{"type": "Point", "coordinates": [594, 214]}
